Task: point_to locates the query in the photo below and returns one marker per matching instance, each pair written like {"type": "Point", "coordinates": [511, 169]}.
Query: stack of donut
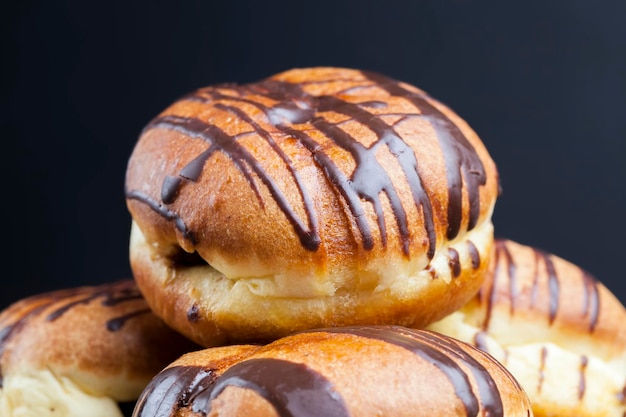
{"type": "Point", "coordinates": [321, 243]}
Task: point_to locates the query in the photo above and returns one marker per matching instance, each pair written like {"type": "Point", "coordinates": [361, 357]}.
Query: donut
{"type": "Point", "coordinates": [79, 352]}
{"type": "Point", "coordinates": [554, 326]}
{"type": "Point", "coordinates": [352, 371]}
{"type": "Point", "coordinates": [318, 197]}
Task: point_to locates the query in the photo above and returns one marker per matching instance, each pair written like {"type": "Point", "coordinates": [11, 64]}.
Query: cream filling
{"type": "Point", "coordinates": [398, 276]}
{"type": "Point", "coordinates": [40, 393]}
{"type": "Point", "coordinates": [394, 275]}
{"type": "Point", "coordinates": [412, 277]}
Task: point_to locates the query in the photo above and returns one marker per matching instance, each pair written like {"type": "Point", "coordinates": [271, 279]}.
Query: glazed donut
{"type": "Point", "coordinates": [558, 330]}
{"type": "Point", "coordinates": [340, 372]}
{"type": "Point", "coordinates": [78, 352]}
{"type": "Point", "coordinates": [319, 197]}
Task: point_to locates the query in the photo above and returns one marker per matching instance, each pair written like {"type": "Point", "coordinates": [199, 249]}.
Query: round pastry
{"type": "Point", "coordinates": [558, 330]}
{"type": "Point", "coordinates": [80, 351]}
{"type": "Point", "coordinates": [318, 197]}
{"type": "Point", "coordinates": [353, 371]}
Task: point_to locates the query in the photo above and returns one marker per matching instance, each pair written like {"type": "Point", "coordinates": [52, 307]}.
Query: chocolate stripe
{"type": "Point", "coordinates": [55, 304]}
{"type": "Point", "coordinates": [553, 284]}
{"type": "Point", "coordinates": [365, 183]}
{"type": "Point", "coordinates": [591, 301]}
{"type": "Point", "coordinates": [461, 158]}
{"type": "Point", "coordinates": [173, 388]}
{"type": "Point", "coordinates": [219, 140]}
{"type": "Point", "coordinates": [446, 356]}
{"type": "Point", "coordinates": [293, 389]}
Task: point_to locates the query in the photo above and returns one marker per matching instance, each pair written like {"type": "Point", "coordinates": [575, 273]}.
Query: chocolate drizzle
{"type": "Point", "coordinates": [368, 181]}
{"type": "Point", "coordinates": [53, 305]}
{"type": "Point", "coordinates": [480, 341]}
{"type": "Point", "coordinates": [447, 357]}
{"type": "Point", "coordinates": [553, 285]}
{"type": "Point", "coordinates": [503, 258]}
{"type": "Point", "coordinates": [502, 250]}
{"type": "Point", "coordinates": [491, 294]}
{"type": "Point", "coordinates": [193, 313]}
{"type": "Point", "coordinates": [293, 389]}
{"type": "Point", "coordinates": [117, 323]}
{"type": "Point", "coordinates": [11, 329]}
{"type": "Point", "coordinates": [453, 262]}
{"type": "Point", "coordinates": [170, 187]}
{"type": "Point", "coordinates": [163, 211]}
{"type": "Point", "coordinates": [175, 387]}
{"type": "Point", "coordinates": [543, 262]}
{"type": "Point", "coordinates": [111, 296]}
{"type": "Point", "coordinates": [474, 254]}
{"type": "Point", "coordinates": [462, 161]}
{"type": "Point", "coordinates": [591, 300]}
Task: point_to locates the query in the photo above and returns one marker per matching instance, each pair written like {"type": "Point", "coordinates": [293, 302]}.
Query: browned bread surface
{"type": "Point", "coordinates": [326, 190]}
{"type": "Point", "coordinates": [355, 371]}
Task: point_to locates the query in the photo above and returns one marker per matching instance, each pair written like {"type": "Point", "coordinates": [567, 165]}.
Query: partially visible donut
{"type": "Point", "coordinates": [318, 197]}
{"type": "Point", "coordinates": [339, 372]}
{"type": "Point", "coordinates": [558, 330]}
{"type": "Point", "coordinates": [78, 352]}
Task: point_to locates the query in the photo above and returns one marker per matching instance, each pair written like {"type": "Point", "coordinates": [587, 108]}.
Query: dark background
{"type": "Point", "coordinates": [543, 84]}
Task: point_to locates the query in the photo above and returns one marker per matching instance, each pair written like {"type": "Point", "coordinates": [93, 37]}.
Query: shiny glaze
{"type": "Point", "coordinates": [53, 305]}
{"type": "Point", "coordinates": [295, 390]}
{"type": "Point", "coordinates": [368, 181]}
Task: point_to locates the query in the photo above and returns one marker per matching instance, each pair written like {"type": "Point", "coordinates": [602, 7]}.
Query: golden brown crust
{"type": "Point", "coordinates": [103, 339]}
{"type": "Point", "coordinates": [356, 371]}
{"type": "Point", "coordinates": [311, 183]}
{"type": "Point", "coordinates": [556, 328]}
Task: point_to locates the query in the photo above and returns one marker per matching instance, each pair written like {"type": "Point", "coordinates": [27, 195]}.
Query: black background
{"type": "Point", "coordinates": [543, 84]}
